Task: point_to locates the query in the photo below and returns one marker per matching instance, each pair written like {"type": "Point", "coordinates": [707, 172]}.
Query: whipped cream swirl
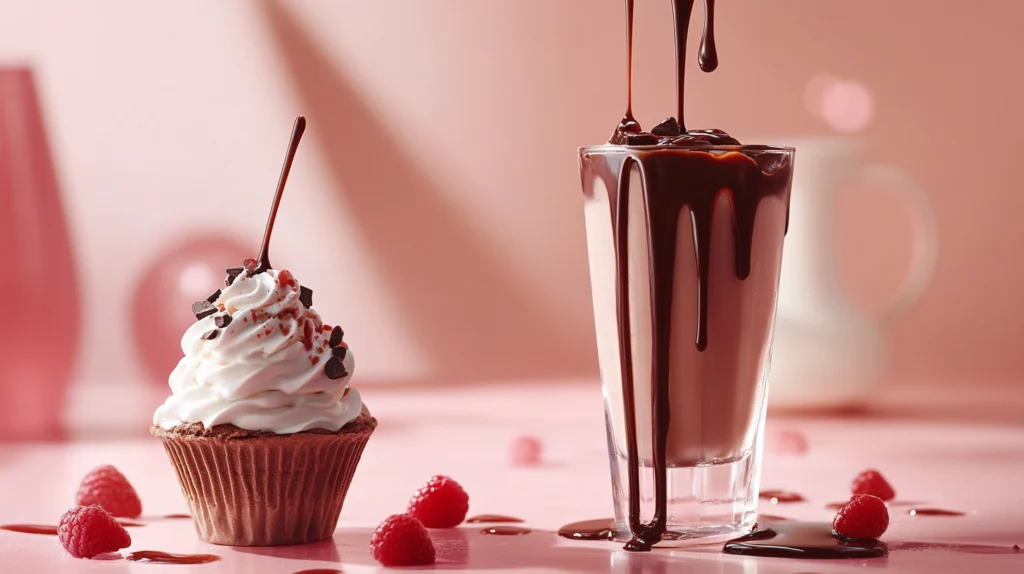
{"type": "Point", "coordinates": [264, 371]}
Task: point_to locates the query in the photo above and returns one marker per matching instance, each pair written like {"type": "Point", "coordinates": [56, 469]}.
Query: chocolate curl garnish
{"type": "Point", "coordinates": [222, 321]}
{"type": "Point", "coordinates": [213, 298]}
{"type": "Point", "coordinates": [334, 368]}
{"type": "Point", "coordinates": [202, 309]}
{"type": "Point", "coordinates": [233, 273]}
{"type": "Point", "coordinates": [339, 352]}
{"type": "Point", "coordinates": [668, 127]}
{"type": "Point", "coordinates": [306, 296]}
{"type": "Point", "coordinates": [210, 335]}
{"type": "Point", "coordinates": [336, 336]}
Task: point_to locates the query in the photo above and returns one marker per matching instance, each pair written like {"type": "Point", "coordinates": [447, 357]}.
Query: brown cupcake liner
{"type": "Point", "coordinates": [266, 490]}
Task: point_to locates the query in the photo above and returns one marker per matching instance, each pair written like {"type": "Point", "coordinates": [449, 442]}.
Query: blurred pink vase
{"type": "Point", "coordinates": [162, 304]}
{"type": "Point", "coordinates": [37, 272]}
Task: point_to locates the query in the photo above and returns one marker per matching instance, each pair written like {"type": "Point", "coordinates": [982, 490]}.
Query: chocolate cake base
{"type": "Point", "coordinates": [256, 488]}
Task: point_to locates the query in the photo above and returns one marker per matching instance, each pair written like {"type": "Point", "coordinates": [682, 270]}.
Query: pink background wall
{"type": "Point", "coordinates": [440, 160]}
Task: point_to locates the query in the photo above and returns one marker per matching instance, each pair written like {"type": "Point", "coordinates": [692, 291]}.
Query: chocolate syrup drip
{"type": "Point", "coordinates": [157, 557]}
{"type": "Point", "coordinates": [482, 518]}
{"type": "Point", "coordinates": [30, 528]}
{"type": "Point", "coordinates": [794, 539]}
{"type": "Point", "coordinates": [286, 168]}
{"type": "Point", "coordinates": [934, 512]}
{"type": "Point", "coordinates": [506, 530]}
{"type": "Point", "coordinates": [708, 56]}
{"type": "Point", "coordinates": [628, 118]}
{"type": "Point", "coordinates": [598, 529]}
{"type": "Point", "coordinates": [681, 11]}
{"type": "Point", "coordinates": [781, 496]}
{"type": "Point", "coordinates": [628, 131]}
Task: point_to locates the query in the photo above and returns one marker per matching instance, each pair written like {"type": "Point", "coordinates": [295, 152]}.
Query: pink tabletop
{"type": "Point", "coordinates": [968, 466]}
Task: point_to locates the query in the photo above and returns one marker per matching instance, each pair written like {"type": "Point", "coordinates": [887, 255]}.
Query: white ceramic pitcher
{"type": "Point", "coordinates": [828, 353]}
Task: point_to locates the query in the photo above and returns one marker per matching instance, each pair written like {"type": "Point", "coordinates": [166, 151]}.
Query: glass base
{"type": "Point", "coordinates": [706, 503]}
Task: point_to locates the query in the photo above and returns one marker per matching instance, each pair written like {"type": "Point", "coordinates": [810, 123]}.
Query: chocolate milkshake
{"type": "Point", "coordinates": [685, 231]}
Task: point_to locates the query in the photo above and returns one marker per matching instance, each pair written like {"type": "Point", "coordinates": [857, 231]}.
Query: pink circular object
{"type": "Point", "coordinates": [814, 93]}
{"type": "Point", "coordinates": [162, 304]}
{"type": "Point", "coordinates": [526, 451]}
{"type": "Point", "coordinates": [787, 441]}
{"type": "Point", "coordinates": [848, 106]}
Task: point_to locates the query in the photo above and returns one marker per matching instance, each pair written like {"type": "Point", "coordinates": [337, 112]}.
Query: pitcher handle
{"type": "Point", "coordinates": [925, 230]}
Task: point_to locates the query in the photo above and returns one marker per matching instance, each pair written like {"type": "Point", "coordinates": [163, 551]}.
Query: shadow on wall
{"type": "Point", "coordinates": [467, 310]}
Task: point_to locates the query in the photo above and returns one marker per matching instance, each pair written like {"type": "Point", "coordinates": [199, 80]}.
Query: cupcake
{"type": "Point", "coordinates": [262, 428]}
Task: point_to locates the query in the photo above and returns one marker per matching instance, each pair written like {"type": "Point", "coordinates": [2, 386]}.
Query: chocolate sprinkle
{"type": "Point", "coordinates": [232, 273]}
{"type": "Point", "coordinates": [213, 298]}
{"type": "Point", "coordinates": [336, 336]}
{"type": "Point", "coordinates": [222, 321]}
{"type": "Point", "coordinates": [668, 127]}
{"type": "Point", "coordinates": [203, 309]}
{"type": "Point", "coordinates": [210, 335]}
{"type": "Point", "coordinates": [306, 296]}
{"type": "Point", "coordinates": [339, 352]}
{"type": "Point", "coordinates": [334, 368]}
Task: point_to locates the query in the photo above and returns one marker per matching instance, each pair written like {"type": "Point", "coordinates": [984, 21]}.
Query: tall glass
{"type": "Point", "coordinates": [713, 218]}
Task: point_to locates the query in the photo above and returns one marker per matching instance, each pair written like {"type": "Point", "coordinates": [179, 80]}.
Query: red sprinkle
{"type": "Point", "coordinates": [307, 335]}
{"type": "Point", "coordinates": [285, 278]}
{"type": "Point", "coordinates": [314, 359]}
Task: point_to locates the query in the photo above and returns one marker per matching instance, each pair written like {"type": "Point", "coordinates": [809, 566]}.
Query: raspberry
{"type": "Point", "coordinates": [864, 516]}
{"type": "Point", "coordinates": [401, 540]}
{"type": "Point", "coordinates": [107, 488]}
{"type": "Point", "coordinates": [872, 482]}
{"type": "Point", "coordinates": [442, 503]}
{"type": "Point", "coordinates": [85, 531]}
{"type": "Point", "coordinates": [525, 451]}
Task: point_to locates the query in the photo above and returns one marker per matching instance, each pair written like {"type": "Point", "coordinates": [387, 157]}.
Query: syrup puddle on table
{"type": "Point", "coordinates": [795, 539]}
{"type": "Point", "coordinates": [934, 512]}
{"type": "Point", "coordinates": [156, 557]}
{"type": "Point", "coordinates": [495, 518]}
{"type": "Point", "coordinates": [781, 496]}
{"type": "Point", "coordinates": [952, 547]}
{"type": "Point", "coordinates": [598, 529]}
{"type": "Point", "coordinates": [177, 516]}
{"type": "Point", "coordinates": [30, 528]}
{"type": "Point", "coordinates": [506, 530]}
